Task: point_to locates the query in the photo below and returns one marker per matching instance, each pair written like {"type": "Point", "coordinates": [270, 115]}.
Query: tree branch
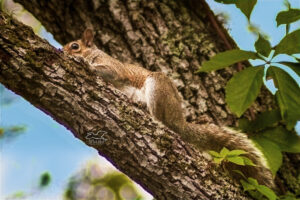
{"type": "Point", "coordinates": [139, 146]}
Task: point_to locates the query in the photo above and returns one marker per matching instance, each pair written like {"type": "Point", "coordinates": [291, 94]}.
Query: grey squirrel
{"type": "Point", "coordinates": [163, 102]}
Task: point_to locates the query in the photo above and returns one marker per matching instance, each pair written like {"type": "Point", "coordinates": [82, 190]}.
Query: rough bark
{"type": "Point", "coordinates": [68, 91]}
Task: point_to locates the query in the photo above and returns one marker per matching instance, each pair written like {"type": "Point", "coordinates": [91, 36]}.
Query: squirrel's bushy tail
{"type": "Point", "coordinates": [212, 137]}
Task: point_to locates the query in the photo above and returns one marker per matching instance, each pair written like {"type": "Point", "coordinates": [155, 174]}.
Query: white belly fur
{"type": "Point", "coordinates": [144, 94]}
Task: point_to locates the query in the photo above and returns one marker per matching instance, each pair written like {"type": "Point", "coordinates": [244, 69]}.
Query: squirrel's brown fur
{"type": "Point", "coordinates": [160, 95]}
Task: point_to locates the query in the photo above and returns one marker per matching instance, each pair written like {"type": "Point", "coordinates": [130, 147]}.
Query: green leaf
{"type": "Point", "coordinates": [16, 129]}
{"type": "Point", "coordinates": [215, 154]}
{"type": "Point", "coordinates": [246, 6]}
{"type": "Point", "coordinates": [218, 160]}
{"type": "Point", "coordinates": [236, 160]}
{"type": "Point", "coordinates": [18, 195]}
{"type": "Point", "coordinates": [263, 46]}
{"type": "Point", "coordinates": [294, 66]}
{"type": "Point", "coordinates": [247, 186]}
{"type": "Point", "coordinates": [45, 179]}
{"type": "Point", "coordinates": [247, 161]}
{"type": "Point", "coordinates": [243, 88]}
{"type": "Point", "coordinates": [262, 121]}
{"type": "Point", "coordinates": [287, 141]}
{"type": "Point", "coordinates": [244, 124]}
{"type": "Point", "coordinates": [287, 95]}
{"type": "Point", "coordinates": [271, 152]}
{"type": "Point", "coordinates": [225, 59]}
{"type": "Point", "coordinates": [12, 131]}
{"type": "Point", "coordinates": [267, 192]}
{"type": "Point", "coordinates": [224, 152]}
{"type": "Point", "coordinates": [256, 195]}
{"type": "Point", "coordinates": [252, 181]}
{"type": "Point", "coordinates": [290, 44]}
{"type": "Point", "coordinates": [287, 17]}
{"type": "Point", "coordinates": [287, 4]}
{"type": "Point", "coordinates": [236, 152]}
{"type": "Point", "coordinates": [265, 119]}
{"type": "Point", "coordinates": [288, 196]}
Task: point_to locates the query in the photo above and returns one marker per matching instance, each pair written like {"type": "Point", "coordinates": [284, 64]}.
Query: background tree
{"type": "Point", "coordinates": [92, 182]}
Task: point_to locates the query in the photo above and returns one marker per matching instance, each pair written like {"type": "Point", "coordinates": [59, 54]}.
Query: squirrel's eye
{"type": "Point", "coordinates": [75, 46]}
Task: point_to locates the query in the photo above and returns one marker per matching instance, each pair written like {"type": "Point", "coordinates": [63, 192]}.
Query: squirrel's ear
{"type": "Point", "coordinates": [88, 37]}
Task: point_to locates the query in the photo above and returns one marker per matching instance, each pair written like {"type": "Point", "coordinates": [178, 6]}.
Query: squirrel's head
{"type": "Point", "coordinates": [82, 46]}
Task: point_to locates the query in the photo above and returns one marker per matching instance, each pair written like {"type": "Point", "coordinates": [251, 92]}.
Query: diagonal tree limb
{"type": "Point", "coordinates": [139, 146]}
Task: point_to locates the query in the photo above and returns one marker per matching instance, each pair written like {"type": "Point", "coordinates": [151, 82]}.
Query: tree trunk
{"type": "Point", "coordinates": [68, 91]}
{"type": "Point", "coordinates": [169, 36]}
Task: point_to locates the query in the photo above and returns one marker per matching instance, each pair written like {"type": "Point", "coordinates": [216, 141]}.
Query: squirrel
{"type": "Point", "coordinates": [163, 102]}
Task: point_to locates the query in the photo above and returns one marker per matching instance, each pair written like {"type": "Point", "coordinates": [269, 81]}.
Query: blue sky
{"type": "Point", "coordinates": [48, 146]}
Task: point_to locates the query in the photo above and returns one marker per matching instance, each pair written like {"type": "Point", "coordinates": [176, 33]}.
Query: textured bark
{"type": "Point", "coordinates": [68, 91]}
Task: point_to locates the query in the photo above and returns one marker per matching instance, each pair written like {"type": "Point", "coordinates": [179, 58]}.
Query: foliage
{"type": "Point", "coordinates": [224, 59]}
{"type": "Point", "coordinates": [263, 120]}
{"type": "Point", "coordinates": [263, 46]}
{"type": "Point", "coordinates": [271, 137]}
{"type": "Point", "coordinates": [271, 152]}
{"type": "Point", "coordinates": [17, 195]}
{"type": "Point", "coordinates": [289, 196]}
{"type": "Point", "coordinates": [92, 183]}
{"type": "Point", "coordinates": [249, 184]}
{"type": "Point", "coordinates": [247, 92]}
{"type": "Point", "coordinates": [286, 140]}
{"type": "Point", "coordinates": [258, 191]}
{"type": "Point", "coordinates": [256, 30]}
{"type": "Point", "coordinates": [234, 156]}
{"type": "Point", "coordinates": [251, 77]}
{"type": "Point", "coordinates": [245, 6]}
{"type": "Point", "coordinates": [17, 10]}
{"type": "Point", "coordinates": [287, 95]}
{"type": "Point", "coordinates": [45, 180]}
{"type": "Point", "coordinates": [8, 134]}
{"type": "Point", "coordinates": [289, 45]}
{"type": "Point", "coordinates": [11, 132]}
{"type": "Point", "coordinates": [287, 17]}
{"type": "Point", "coordinates": [272, 131]}
{"type": "Point", "coordinates": [262, 192]}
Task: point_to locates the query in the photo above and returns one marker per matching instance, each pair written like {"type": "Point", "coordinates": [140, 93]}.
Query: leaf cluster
{"type": "Point", "coordinates": [273, 131]}
{"type": "Point", "coordinates": [268, 133]}
{"type": "Point", "coordinates": [262, 192]}
{"type": "Point", "coordinates": [244, 87]}
{"type": "Point", "coordinates": [234, 156]}
{"type": "Point", "coordinates": [258, 191]}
